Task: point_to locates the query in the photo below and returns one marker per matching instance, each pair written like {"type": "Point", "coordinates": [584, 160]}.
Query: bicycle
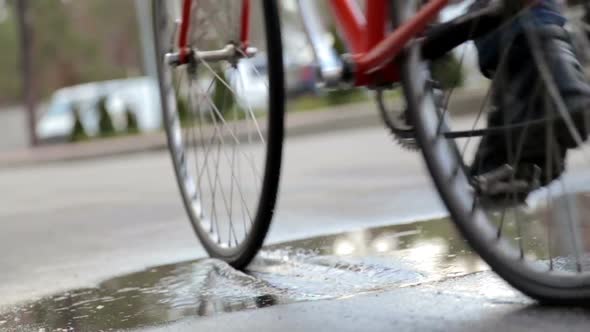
{"type": "Point", "coordinates": [232, 141]}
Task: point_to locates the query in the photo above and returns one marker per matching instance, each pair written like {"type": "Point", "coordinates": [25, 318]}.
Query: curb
{"type": "Point", "coordinates": [358, 115]}
{"type": "Point", "coordinates": [344, 117]}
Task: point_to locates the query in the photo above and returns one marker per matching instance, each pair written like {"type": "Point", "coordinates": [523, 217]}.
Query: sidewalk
{"type": "Point", "coordinates": [344, 117]}
{"type": "Point", "coordinates": [13, 133]}
{"type": "Point", "coordinates": [297, 124]}
{"type": "Point", "coordinates": [456, 304]}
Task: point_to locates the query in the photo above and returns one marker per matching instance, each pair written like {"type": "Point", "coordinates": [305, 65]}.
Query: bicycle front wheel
{"type": "Point", "coordinates": [532, 229]}
{"type": "Point", "coordinates": [223, 112]}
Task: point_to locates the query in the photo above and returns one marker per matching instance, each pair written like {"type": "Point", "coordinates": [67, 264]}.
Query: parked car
{"type": "Point", "coordinates": [139, 95]}
{"type": "Point", "coordinates": [299, 79]}
{"type": "Point", "coordinates": [252, 86]}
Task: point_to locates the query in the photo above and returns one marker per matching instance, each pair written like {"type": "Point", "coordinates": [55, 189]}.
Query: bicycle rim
{"type": "Point", "coordinates": [539, 246]}
{"type": "Point", "coordinates": [224, 123]}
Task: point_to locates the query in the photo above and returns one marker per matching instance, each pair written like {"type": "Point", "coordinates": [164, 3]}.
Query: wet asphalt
{"type": "Point", "coordinates": [411, 277]}
{"type": "Point", "coordinates": [320, 268]}
{"type": "Point", "coordinates": [357, 244]}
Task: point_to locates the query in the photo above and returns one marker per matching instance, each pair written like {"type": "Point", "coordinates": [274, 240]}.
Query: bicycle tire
{"type": "Point", "coordinates": [242, 254]}
{"type": "Point", "coordinates": [452, 182]}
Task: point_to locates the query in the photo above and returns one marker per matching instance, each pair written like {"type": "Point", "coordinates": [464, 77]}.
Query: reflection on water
{"type": "Point", "coordinates": [318, 268]}
{"type": "Point", "coordinates": [553, 230]}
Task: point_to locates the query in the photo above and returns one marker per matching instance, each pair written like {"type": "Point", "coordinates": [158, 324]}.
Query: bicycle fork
{"type": "Point", "coordinates": [334, 70]}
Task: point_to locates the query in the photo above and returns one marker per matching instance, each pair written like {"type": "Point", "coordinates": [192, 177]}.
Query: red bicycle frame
{"type": "Point", "coordinates": [187, 6]}
{"type": "Point", "coordinates": [373, 48]}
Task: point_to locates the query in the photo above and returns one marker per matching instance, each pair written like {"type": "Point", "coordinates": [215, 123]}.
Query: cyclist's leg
{"type": "Point", "coordinates": [545, 13]}
{"type": "Point", "coordinates": [513, 95]}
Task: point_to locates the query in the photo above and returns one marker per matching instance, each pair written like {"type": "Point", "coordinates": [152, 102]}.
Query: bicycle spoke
{"type": "Point", "coordinates": [192, 143]}
{"type": "Point", "coordinates": [256, 172]}
{"type": "Point", "coordinates": [549, 232]}
{"type": "Point", "coordinates": [242, 53]}
{"type": "Point", "coordinates": [527, 218]}
{"type": "Point", "coordinates": [218, 113]}
{"type": "Point", "coordinates": [549, 151]}
{"type": "Point", "coordinates": [206, 144]}
{"type": "Point", "coordinates": [501, 226]}
{"type": "Point", "coordinates": [447, 98]}
{"type": "Point", "coordinates": [237, 160]}
{"type": "Point", "coordinates": [552, 88]}
{"type": "Point", "coordinates": [216, 132]}
{"type": "Point", "coordinates": [217, 179]}
{"type": "Point", "coordinates": [571, 228]}
{"type": "Point", "coordinates": [213, 186]}
{"type": "Point", "coordinates": [232, 90]}
{"type": "Point", "coordinates": [231, 230]}
{"type": "Point", "coordinates": [224, 123]}
{"type": "Point", "coordinates": [233, 164]}
{"type": "Point", "coordinates": [482, 108]}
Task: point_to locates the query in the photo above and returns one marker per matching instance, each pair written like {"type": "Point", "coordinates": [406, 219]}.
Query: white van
{"type": "Point", "coordinates": [140, 95]}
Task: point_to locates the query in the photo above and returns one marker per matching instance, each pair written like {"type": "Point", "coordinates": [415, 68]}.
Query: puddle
{"type": "Point", "coordinates": [327, 267]}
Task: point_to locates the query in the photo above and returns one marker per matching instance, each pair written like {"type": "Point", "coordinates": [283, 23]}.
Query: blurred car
{"type": "Point", "coordinates": [253, 90]}
{"type": "Point", "coordinates": [251, 85]}
{"type": "Point", "coordinates": [301, 77]}
{"type": "Point", "coordinates": [139, 95]}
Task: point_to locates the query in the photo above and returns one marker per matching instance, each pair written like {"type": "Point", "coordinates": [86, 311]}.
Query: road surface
{"type": "Point", "coordinates": [105, 244]}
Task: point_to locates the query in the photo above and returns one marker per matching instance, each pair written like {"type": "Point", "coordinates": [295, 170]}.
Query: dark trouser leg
{"type": "Point", "coordinates": [520, 95]}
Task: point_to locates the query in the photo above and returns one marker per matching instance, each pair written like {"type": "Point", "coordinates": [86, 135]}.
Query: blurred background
{"type": "Point", "coordinates": [62, 44]}
{"type": "Point", "coordinates": [75, 71]}
{"type": "Point", "coordinates": [68, 65]}
{"type": "Point", "coordinates": [77, 84]}
{"type": "Point", "coordinates": [88, 190]}
{"type": "Point", "coordinates": [86, 176]}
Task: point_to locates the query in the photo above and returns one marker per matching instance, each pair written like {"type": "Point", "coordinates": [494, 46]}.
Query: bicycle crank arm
{"type": "Point", "coordinates": [229, 53]}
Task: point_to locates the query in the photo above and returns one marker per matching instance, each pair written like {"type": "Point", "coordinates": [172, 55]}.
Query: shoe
{"type": "Point", "coordinates": [519, 104]}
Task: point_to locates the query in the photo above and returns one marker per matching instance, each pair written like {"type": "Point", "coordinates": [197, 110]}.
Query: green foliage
{"type": "Point", "coordinates": [223, 98]}
{"type": "Point", "coordinates": [345, 96]}
{"type": "Point", "coordinates": [340, 96]}
{"type": "Point", "coordinates": [105, 122]}
{"type": "Point", "coordinates": [78, 132]}
{"type": "Point", "coordinates": [182, 109]}
{"type": "Point", "coordinates": [339, 44]}
{"type": "Point", "coordinates": [448, 71]}
{"type": "Point", "coordinates": [10, 83]}
{"type": "Point", "coordinates": [132, 126]}
{"type": "Point", "coordinates": [311, 102]}
{"type": "Point", "coordinates": [74, 42]}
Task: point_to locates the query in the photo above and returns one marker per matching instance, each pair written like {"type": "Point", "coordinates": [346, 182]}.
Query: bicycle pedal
{"type": "Point", "coordinates": [484, 181]}
{"type": "Point", "coordinates": [505, 180]}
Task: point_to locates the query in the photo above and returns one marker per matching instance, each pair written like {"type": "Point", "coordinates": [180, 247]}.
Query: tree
{"type": "Point", "coordinates": [448, 71]}
{"type": "Point", "coordinates": [77, 42]}
{"type": "Point", "coordinates": [223, 97]}
{"type": "Point", "coordinates": [105, 122]}
{"type": "Point", "coordinates": [78, 132]}
{"type": "Point", "coordinates": [342, 95]}
{"type": "Point", "coordinates": [184, 116]}
{"type": "Point", "coordinates": [132, 126]}
{"type": "Point", "coordinates": [10, 85]}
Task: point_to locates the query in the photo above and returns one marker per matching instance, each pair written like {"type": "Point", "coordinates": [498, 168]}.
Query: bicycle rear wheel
{"type": "Point", "coordinates": [223, 117]}
{"type": "Point", "coordinates": [540, 245]}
